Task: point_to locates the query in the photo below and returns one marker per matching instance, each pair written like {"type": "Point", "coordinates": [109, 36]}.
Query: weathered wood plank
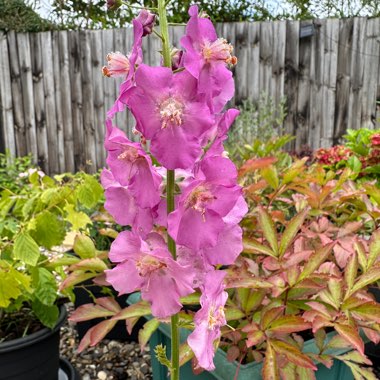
{"type": "Point", "coordinates": [88, 101]}
{"type": "Point", "coordinates": [356, 73]}
{"type": "Point", "coordinates": [64, 66]}
{"type": "Point", "coordinates": [99, 109]}
{"type": "Point", "coordinates": [58, 102]}
{"type": "Point", "coordinates": [39, 102]}
{"type": "Point", "coordinates": [108, 83]}
{"type": "Point", "coordinates": [371, 58]}
{"type": "Point", "coordinates": [329, 81]}
{"type": "Point", "coordinates": [241, 52]}
{"type": "Point", "coordinates": [291, 77]}
{"type": "Point", "coordinates": [76, 100]}
{"type": "Point", "coordinates": [343, 78]}
{"type": "Point", "coordinates": [253, 61]}
{"type": "Point", "coordinates": [50, 102]}
{"type": "Point", "coordinates": [303, 99]}
{"type": "Point", "coordinates": [266, 55]}
{"type": "Point", "coordinates": [6, 104]}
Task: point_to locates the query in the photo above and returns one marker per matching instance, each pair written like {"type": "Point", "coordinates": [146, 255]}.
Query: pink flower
{"type": "Point", "coordinates": [117, 65]}
{"type": "Point", "coordinates": [132, 167]}
{"type": "Point", "coordinates": [209, 319]}
{"type": "Point", "coordinates": [213, 193]}
{"type": "Point", "coordinates": [169, 112]}
{"type": "Point", "coordinates": [121, 204]}
{"type": "Point", "coordinates": [206, 58]}
{"type": "Point", "coordinates": [147, 20]}
{"type": "Point", "coordinates": [148, 266]}
{"type": "Point", "coordinates": [134, 58]}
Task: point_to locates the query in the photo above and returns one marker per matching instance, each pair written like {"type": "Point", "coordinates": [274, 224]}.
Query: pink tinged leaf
{"type": "Point", "coordinates": [291, 231]}
{"type": "Point", "coordinates": [362, 257]}
{"type": "Point", "coordinates": [370, 277]}
{"type": "Point", "coordinates": [351, 335]}
{"type": "Point", "coordinates": [130, 324]}
{"type": "Point", "coordinates": [338, 341]}
{"type": "Point", "coordinates": [267, 225]}
{"type": "Point", "coordinates": [289, 324]}
{"type": "Point", "coordinates": [268, 316]}
{"type": "Point", "coordinates": [355, 357]}
{"type": "Point", "coordinates": [108, 303]}
{"type": "Point", "coordinates": [75, 278]}
{"type": "Point", "coordinates": [372, 335]}
{"type": "Point", "coordinates": [270, 368]}
{"type": "Point", "coordinates": [94, 264]}
{"type": "Point", "coordinates": [374, 249]}
{"type": "Point", "coordinates": [293, 354]}
{"type": "Point", "coordinates": [316, 260]}
{"type": "Point", "coordinates": [138, 309]}
{"type": "Point", "coordinates": [321, 309]}
{"type": "Point", "coordinates": [90, 311]}
{"type": "Point", "coordinates": [185, 354]}
{"type": "Point", "coordinates": [95, 334]}
{"type": "Point", "coordinates": [254, 247]}
{"type": "Point", "coordinates": [233, 353]}
{"type": "Point", "coordinates": [351, 271]}
{"type": "Point", "coordinates": [305, 373]}
{"type": "Point", "coordinates": [326, 360]}
{"type": "Point", "coordinates": [255, 164]}
{"type": "Point", "coordinates": [368, 311]}
{"type": "Point", "coordinates": [255, 338]}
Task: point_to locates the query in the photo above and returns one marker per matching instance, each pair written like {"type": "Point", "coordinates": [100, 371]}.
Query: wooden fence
{"type": "Point", "coordinates": [53, 98]}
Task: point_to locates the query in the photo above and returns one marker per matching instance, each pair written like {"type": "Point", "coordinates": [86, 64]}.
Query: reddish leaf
{"type": "Point", "coordinates": [75, 278]}
{"type": "Point", "coordinates": [138, 309]}
{"type": "Point", "coordinates": [88, 312]}
{"type": "Point", "coordinates": [293, 354]}
{"type": "Point", "coordinates": [268, 316]}
{"type": "Point", "coordinates": [351, 335]}
{"type": "Point", "coordinates": [233, 353]}
{"type": "Point", "coordinates": [374, 249]}
{"type": "Point", "coordinates": [289, 324]}
{"type": "Point", "coordinates": [270, 369]}
{"type": "Point", "coordinates": [109, 303]}
{"type": "Point", "coordinates": [95, 334]}
{"type": "Point", "coordinates": [267, 225]}
{"type": "Point", "coordinates": [256, 163]}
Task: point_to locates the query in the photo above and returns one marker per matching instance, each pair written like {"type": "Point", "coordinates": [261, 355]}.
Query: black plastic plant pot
{"type": "Point", "coordinates": [34, 357]}
{"type": "Point", "coordinates": [67, 371]}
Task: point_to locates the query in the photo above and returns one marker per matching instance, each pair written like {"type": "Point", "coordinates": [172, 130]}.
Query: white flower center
{"type": "Point", "coordinates": [199, 198]}
{"type": "Point", "coordinates": [216, 318]}
{"type": "Point", "coordinates": [129, 154]}
{"type": "Point", "coordinates": [148, 264]}
{"type": "Point", "coordinates": [219, 50]}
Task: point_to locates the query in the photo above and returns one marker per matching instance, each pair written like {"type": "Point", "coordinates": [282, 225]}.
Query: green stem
{"type": "Point", "coordinates": [170, 187]}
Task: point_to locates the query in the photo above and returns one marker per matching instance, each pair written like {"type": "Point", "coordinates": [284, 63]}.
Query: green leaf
{"type": "Point", "coordinates": [47, 315]}
{"type": "Point", "coordinates": [354, 164]}
{"type": "Point", "coordinates": [191, 299]}
{"type": "Point", "coordinates": [351, 335]}
{"type": "Point", "coordinates": [48, 230]}
{"type": "Point", "coordinates": [291, 231]}
{"type": "Point", "coordinates": [160, 352]}
{"type": "Point", "coordinates": [89, 192]}
{"type": "Point", "coordinates": [315, 260]}
{"type": "Point", "coordinates": [26, 249]}
{"type": "Point", "coordinates": [185, 354]}
{"type": "Point", "coordinates": [374, 249]}
{"type": "Point", "coordinates": [138, 309]}
{"type": "Point", "coordinates": [267, 225]}
{"type": "Point", "coordinates": [84, 246]}
{"type": "Point", "coordinates": [46, 289]}
{"type": "Point", "coordinates": [289, 324]}
{"type": "Point", "coordinates": [254, 247]}
{"type": "Point", "coordinates": [351, 271]}
{"type": "Point", "coordinates": [78, 219]}
{"type": "Point", "coordinates": [146, 332]}
{"type": "Point", "coordinates": [233, 313]}
{"type": "Point", "coordinates": [367, 278]}
{"type": "Point", "coordinates": [270, 369]}
{"type": "Point", "coordinates": [271, 176]}
{"type": "Point", "coordinates": [369, 311]}
{"type": "Point", "coordinates": [94, 264]}
{"type": "Point", "coordinates": [9, 288]}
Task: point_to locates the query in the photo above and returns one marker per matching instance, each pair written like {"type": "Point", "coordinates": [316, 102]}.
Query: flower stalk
{"type": "Point", "coordinates": [170, 187]}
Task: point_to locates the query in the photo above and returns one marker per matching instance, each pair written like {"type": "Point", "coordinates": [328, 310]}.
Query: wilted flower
{"type": "Point", "coordinates": [147, 20]}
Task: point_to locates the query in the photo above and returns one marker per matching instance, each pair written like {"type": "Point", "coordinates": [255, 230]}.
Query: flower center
{"type": "Point", "coordinates": [199, 198]}
{"type": "Point", "coordinates": [219, 50]}
{"type": "Point", "coordinates": [129, 154]}
{"type": "Point", "coordinates": [216, 318]}
{"type": "Point", "coordinates": [148, 264]}
{"type": "Point", "coordinates": [171, 111]}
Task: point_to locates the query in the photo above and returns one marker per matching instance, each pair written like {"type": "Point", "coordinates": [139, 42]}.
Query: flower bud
{"type": "Point", "coordinates": [176, 56]}
{"type": "Point", "coordinates": [112, 5]}
{"type": "Point", "coordinates": [147, 19]}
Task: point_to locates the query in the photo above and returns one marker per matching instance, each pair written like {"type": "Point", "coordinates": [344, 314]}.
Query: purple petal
{"type": "Point", "coordinates": [127, 245]}
{"type": "Point", "coordinates": [124, 277]}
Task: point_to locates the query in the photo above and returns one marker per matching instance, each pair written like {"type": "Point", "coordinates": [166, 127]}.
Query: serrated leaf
{"type": "Point", "coordinates": [46, 289]}
{"type": "Point", "coordinates": [320, 336]}
{"type": "Point", "coordinates": [96, 333]}
{"type": "Point", "coordinates": [269, 315]}
{"type": "Point", "coordinates": [254, 247]}
{"type": "Point", "coordinates": [369, 311]}
{"type": "Point", "coordinates": [267, 225]}
{"type": "Point", "coordinates": [362, 257]}
{"type": "Point", "coordinates": [146, 332]}
{"type": "Point", "coordinates": [271, 176]}
{"type": "Point", "coordinates": [315, 260]}
{"type": "Point", "coordinates": [47, 315]}
{"type": "Point", "coordinates": [351, 335]}
{"type": "Point", "coordinates": [109, 303]}
{"type": "Point", "coordinates": [351, 271]}
{"type": "Point", "coordinates": [89, 192]}
{"type": "Point", "coordinates": [94, 265]}
{"type": "Point", "coordinates": [293, 354]}
{"type": "Point", "coordinates": [76, 278]}
{"type": "Point", "coordinates": [374, 249]}
{"type": "Point", "coordinates": [233, 314]}
{"type": "Point", "coordinates": [49, 230]}
{"type": "Point", "coordinates": [370, 277]}
{"type": "Point", "coordinates": [361, 373]}
{"type": "Point", "coordinates": [78, 219]}
{"type": "Point", "coordinates": [89, 311]}
{"type": "Point", "coordinates": [26, 249]}
{"type": "Point", "coordinates": [9, 289]}
{"type": "Point", "coordinates": [291, 231]}
{"type": "Point", "coordinates": [84, 247]}
{"type": "Point", "coordinates": [355, 357]}
{"type": "Point", "coordinates": [270, 369]}
{"type": "Point", "coordinates": [138, 309]}
{"type": "Point", "coordinates": [289, 324]}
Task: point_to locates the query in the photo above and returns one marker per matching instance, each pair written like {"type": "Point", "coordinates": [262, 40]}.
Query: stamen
{"type": "Point", "coordinates": [219, 50]}
{"type": "Point", "coordinates": [129, 154]}
{"type": "Point", "coordinates": [216, 318]}
{"type": "Point", "coordinates": [149, 264]}
{"type": "Point", "coordinates": [171, 111]}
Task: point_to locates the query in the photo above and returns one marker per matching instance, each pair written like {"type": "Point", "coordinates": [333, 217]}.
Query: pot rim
{"type": "Point", "coordinates": [16, 344]}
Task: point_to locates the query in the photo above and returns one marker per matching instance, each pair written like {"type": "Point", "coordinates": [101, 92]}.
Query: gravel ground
{"type": "Point", "coordinates": [109, 360]}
